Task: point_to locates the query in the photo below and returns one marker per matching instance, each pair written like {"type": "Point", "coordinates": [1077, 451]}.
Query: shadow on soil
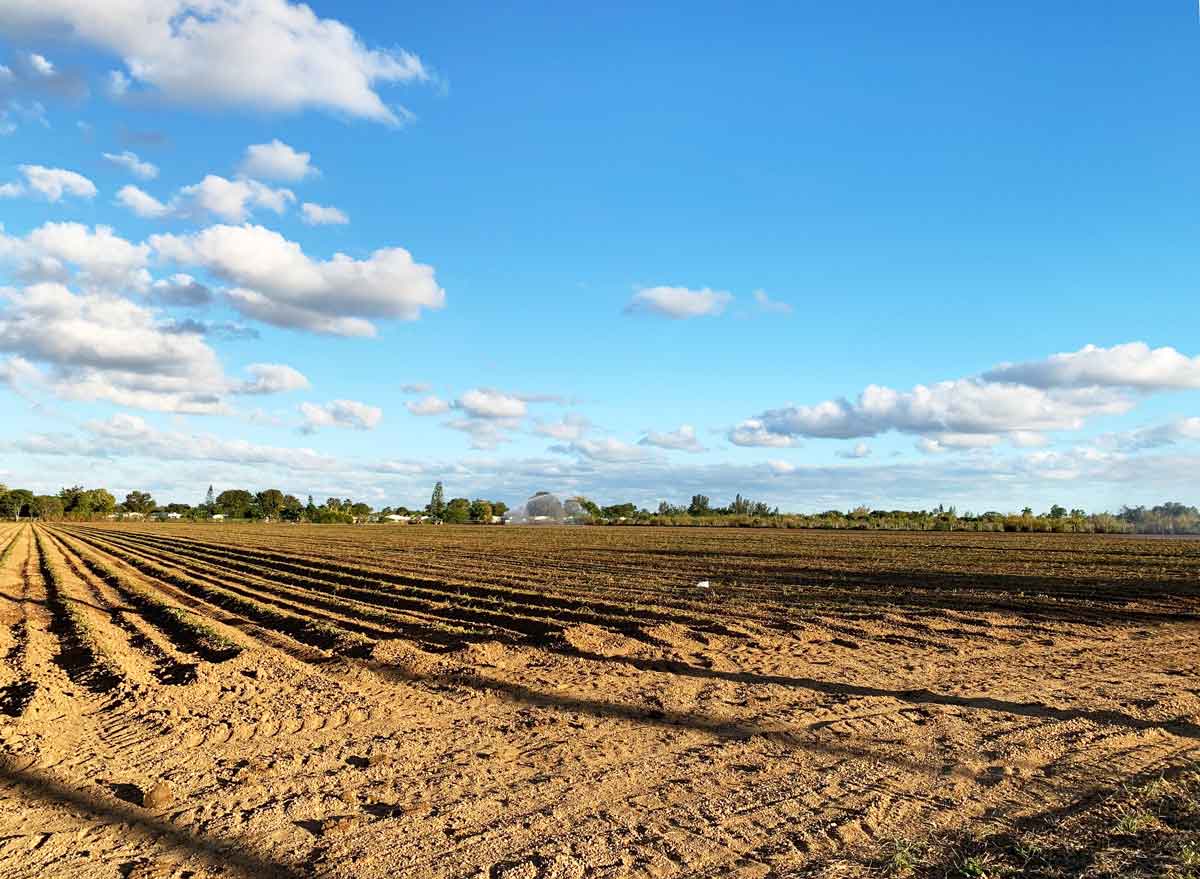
{"type": "Point", "coordinates": [741, 730]}
{"type": "Point", "coordinates": [225, 856]}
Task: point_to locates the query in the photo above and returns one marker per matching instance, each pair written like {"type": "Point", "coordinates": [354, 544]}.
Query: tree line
{"type": "Point", "coordinates": [272, 504]}
{"type": "Point", "coordinates": [1167, 518]}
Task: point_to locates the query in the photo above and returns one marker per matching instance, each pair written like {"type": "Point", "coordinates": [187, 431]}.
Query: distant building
{"type": "Point", "coordinates": [219, 517]}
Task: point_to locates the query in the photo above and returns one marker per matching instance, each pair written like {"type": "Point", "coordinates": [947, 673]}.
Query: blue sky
{"type": "Point", "coordinates": [633, 252]}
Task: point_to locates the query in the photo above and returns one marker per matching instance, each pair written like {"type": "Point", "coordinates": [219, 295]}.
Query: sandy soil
{"type": "Point", "coordinates": [309, 722]}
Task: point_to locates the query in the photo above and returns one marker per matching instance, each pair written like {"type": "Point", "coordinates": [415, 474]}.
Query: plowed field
{"type": "Point", "coordinates": [514, 703]}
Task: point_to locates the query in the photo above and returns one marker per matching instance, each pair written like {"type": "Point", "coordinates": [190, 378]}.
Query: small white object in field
{"type": "Point", "coordinates": [703, 584]}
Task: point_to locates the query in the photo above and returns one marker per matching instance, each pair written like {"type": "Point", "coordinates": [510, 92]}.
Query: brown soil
{"type": "Point", "coordinates": [510, 702]}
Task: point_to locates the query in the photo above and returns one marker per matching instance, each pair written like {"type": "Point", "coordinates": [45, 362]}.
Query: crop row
{"type": "Point", "coordinates": [529, 614]}
{"type": "Point", "coordinates": [184, 629]}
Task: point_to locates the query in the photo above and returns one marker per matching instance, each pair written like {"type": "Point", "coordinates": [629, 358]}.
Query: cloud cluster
{"type": "Point", "coordinates": [229, 200]}
{"type": "Point", "coordinates": [94, 346]}
{"type": "Point", "coordinates": [1132, 365]}
{"type": "Point", "coordinates": [339, 413]}
{"type": "Point", "coordinates": [270, 55]}
{"type": "Point", "coordinates": [274, 281]}
{"type": "Point", "coordinates": [1018, 403]}
{"type": "Point", "coordinates": [124, 436]}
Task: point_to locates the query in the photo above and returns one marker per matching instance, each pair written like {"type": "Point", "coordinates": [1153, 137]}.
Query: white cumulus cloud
{"type": "Point", "coordinates": [130, 162]}
{"type": "Point", "coordinates": [322, 215]}
{"type": "Point", "coordinates": [678, 303]}
{"type": "Point", "coordinates": [339, 413]}
{"type": "Point", "coordinates": [54, 183]}
{"type": "Point", "coordinates": [489, 403]}
{"type": "Point", "coordinates": [277, 283]}
{"type": "Point", "coordinates": [272, 378]}
{"type": "Point", "coordinates": [276, 161]}
{"type": "Point", "coordinates": [272, 55]}
{"type": "Point", "coordinates": [1132, 365]}
{"type": "Point", "coordinates": [681, 440]}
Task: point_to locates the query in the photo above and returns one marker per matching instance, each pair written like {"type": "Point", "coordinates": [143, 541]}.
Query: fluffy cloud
{"type": "Point", "coordinates": [321, 215]}
{"type": "Point", "coordinates": [339, 413]}
{"type": "Point", "coordinates": [40, 65]}
{"type": "Point", "coordinates": [489, 403]}
{"type": "Point", "coordinates": [142, 203]}
{"type": "Point", "coordinates": [427, 406]}
{"type": "Point", "coordinates": [272, 378]}
{"type": "Point", "coordinates": [965, 406]}
{"type": "Point", "coordinates": [101, 258]}
{"type": "Point", "coordinates": [277, 283]}
{"type": "Point", "coordinates": [1014, 402]}
{"type": "Point", "coordinates": [681, 440]}
{"type": "Point", "coordinates": [678, 303]}
{"type": "Point", "coordinates": [52, 183]}
{"type": "Point", "coordinates": [1132, 365]}
{"type": "Point", "coordinates": [276, 161]}
{"type": "Point", "coordinates": [416, 388]}
{"type": "Point", "coordinates": [265, 54]}
{"type": "Point", "coordinates": [107, 348]}
{"type": "Point", "coordinates": [130, 162]}
{"type": "Point", "coordinates": [753, 432]}
{"type": "Point", "coordinates": [231, 200]}
{"type": "Point", "coordinates": [96, 346]}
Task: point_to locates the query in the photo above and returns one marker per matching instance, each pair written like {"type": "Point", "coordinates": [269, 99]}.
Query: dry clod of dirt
{"type": "Point", "coordinates": [158, 797]}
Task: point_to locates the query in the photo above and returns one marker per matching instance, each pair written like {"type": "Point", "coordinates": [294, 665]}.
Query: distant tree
{"type": "Point", "coordinates": [360, 510]}
{"type": "Point", "coordinates": [589, 506]}
{"type": "Point", "coordinates": [10, 505]}
{"type": "Point", "coordinates": [619, 511]}
{"type": "Point", "coordinates": [1027, 511]}
{"type": "Point", "coordinates": [99, 500]}
{"type": "Point", "coordinates": [311, 513]}
{"type": "Point", "coordinates": [457, 511]}
{"type": "Point", "coordinates": [481, 511]}
{"type": "Point", "coordinates": [291, 509]}
{"type": "Point", "coordinates": [235, 503]}
{"type": "Point", "coordinates": [209, 500]}
{"type": "Point", "coordinates": [270, 503]}
{"type": "Point", "coordinates": [333, 504]}
{"type": "Point", "coordinates": [499, 508]}
{"type": "Point", "coordinates": [1058, 512]}
{"type": "Point", "coordinates": [47, 507]}
{"type": "Point", "coordinates": [72, 498]}
{"type": "Point", "coordinates": [181, 509]}
{"type": "Point", "coordinates": [139, 502]}
{"type": "Point", "coordinates": [699, 505]}
{"type": "Point", "coordinates": [437, 502]}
